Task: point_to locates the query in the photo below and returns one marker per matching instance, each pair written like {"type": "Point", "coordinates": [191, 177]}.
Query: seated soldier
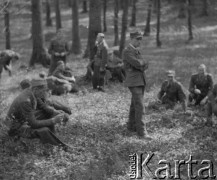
{"type": "Point", "coordinates": [26, 83]}
{"type": "Point", "coordinates": [31, 117]}
{"type": "Point", "coordinates": [172, 92]}
{"type": "Point", "coordinates": [200, 85]}
{"type": "Point", "coordinates": [58, 49]}
{"type": "Point", "coordinates": [116, 66]}
{"type": "Point", "coordinates": [64, 74]}
{"type": "Point", "coordinates": [6, 57]}
{"type": "Point", "coordinates": [211, 105]}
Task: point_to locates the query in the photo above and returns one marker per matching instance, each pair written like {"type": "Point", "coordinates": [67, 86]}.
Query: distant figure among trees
{"type": "Point", "coordinates": [99, 63]}
{"type": "Point", "coordinates": [58, 49]}
{"type": "Point", "coordinates": [6, 56]}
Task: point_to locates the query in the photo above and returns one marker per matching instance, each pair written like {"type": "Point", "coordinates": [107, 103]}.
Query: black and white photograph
{"type": "Point", "coordinates": [108, 89]}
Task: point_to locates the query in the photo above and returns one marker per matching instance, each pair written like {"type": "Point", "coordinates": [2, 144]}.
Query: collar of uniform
{"type": "Point", "coordinates": [134, 48]}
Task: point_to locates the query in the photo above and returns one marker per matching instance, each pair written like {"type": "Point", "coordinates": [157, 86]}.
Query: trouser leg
{"type": "Point", "coordinates": [131, 121]}
{"type": "Point", "coordinates": [101, 81]}
{"type": "Point", "coordinates": [95, 77]}
{"type": "Point", "coordinates": [137, 96]}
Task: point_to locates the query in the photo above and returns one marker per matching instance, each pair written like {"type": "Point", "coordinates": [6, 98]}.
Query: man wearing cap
{"type": "Point", "coordinates": [172, 92]}
{"type": "Point", "coordinates": [100, 62]}
{"type": "Point", "coordinates": [135, 67]}
{"type": "Point", "coordinates": [30, 117]}
{"type": "Point", "coordinates": [200, 86]}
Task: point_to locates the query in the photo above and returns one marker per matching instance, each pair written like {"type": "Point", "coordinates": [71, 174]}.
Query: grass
{"type": "Point", "coordinates": [97, 131]}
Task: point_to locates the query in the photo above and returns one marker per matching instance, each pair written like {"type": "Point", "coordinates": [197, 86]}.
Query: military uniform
{"type": "Point", "coordinates": [65, 75]}
{"type": "Point", "coordinates": [203, 83]}
{"type": "Point", "coordinates": [135, 81]}
{"type": "Point", "coordinates": [99, 65]}
{"type": "Point", "coordinates": [58, 50]}
{"type": "Point", "coordinates": [5, 60]}
{"type": "Point", "coordinates": [212, 105]}
{"type": "Point", "coordinates": [116, 67]}
{"type": "Point", "coordinates": [171, 93]}
{"type": "Point", "coordinates": [31, 117]}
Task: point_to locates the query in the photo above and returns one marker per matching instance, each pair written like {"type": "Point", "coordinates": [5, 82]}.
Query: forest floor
{"type": "Point", "coordinates": [96, 130]}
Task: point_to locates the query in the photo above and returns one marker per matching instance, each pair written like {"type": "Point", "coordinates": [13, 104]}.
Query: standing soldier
{"type": "Point", "coordinates": [58, 49]}
{"type": "Point", "coordinates": [135, 81]}
{"type": "Point", "coordinates": [100, 62]}
{"type": "Point", "coordinates": [200, 85]}
{"type": "Point", "coordinates": [172, 92]}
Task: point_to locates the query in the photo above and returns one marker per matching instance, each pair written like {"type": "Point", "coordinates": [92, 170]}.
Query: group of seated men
{"type": "Point", "coordinates": [201, 92]}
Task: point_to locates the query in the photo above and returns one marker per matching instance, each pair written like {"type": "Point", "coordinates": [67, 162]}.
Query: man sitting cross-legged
{"type": "Point", "coordinates": [31, 118]}
{"type": "Point", "coordinates": [172, 92]}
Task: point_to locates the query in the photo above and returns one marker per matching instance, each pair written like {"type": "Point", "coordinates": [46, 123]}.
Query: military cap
{"type": "Point", "coordinates": [101, 35]}
{"type": "Point", "coordinates": [171, 73]}
{"type": "Point", "coordinates": [136, 35]}
{"type": "Point", "coordinates": [39, 83]}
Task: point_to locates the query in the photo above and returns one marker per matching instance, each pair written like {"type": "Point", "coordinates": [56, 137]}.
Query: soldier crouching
{"type": "Point", "coordinates": [31, 117]}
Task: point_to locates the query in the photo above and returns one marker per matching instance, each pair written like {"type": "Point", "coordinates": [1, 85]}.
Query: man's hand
{"type": "Point", "coordinates": [101, 69]}
{"type": "Point", "coordinates": [197, 91]}
{"type": "Point", "coordinates": [58, 118]}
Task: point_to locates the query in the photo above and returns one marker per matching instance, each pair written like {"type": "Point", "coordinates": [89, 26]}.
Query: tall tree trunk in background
{"type": "Point", "coordinates": [70, 3]}
{"type": "Point", "coordinates": [158, 42]}
{"type": "Point", "coordinates": [94, 26]}
{"type": "Point", "coordinates": [58, 15]}
{"type": "Point", "coordinates": [155, 6]}
{"type": "Point", "coordinates": [39, 54]}
{"type": "Point", "coordinates": [104, 15]}
{"type": "Point", "coordinates": [84, 5]}
{"type": "Point", "coordinates": [148, 20]}
{"type": "Point", "coordinates": [76, 44]}
{"type": "Point", "coordinates": [7, 26]}
{"type": "Point", "coordinates": [116, 31]}
{"type": "Point", "coordinates": [122, 4]}
{"type": "Point", "coordinates": [190, 37]}
{"type": "Point", "coordinates": [181, 6]}
{"type": "Point", "coordinates": [133, 18]}
{"type": "Point", "coordinates": [48, 17]}
{"type": "Point", "coordinates": [205, 8]}
{"type": "Point", "coordinates": [124, 26]}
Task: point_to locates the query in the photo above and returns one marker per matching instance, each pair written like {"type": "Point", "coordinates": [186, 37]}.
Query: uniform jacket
{"type": "Point", "coordinates": [134, 66]}
{"type": "Point", "coordinates": [22, 111]}
{"type": "Point", "coordinates": [203, 84]}
{"type": "Point", "coordinates": [101, 57]}
{"type": "Point", "coordinates": [212, 102]}
{"type": "Point", "coordinates": [174, 91]}
{"type": "Point", "coordinates": [58, 45]}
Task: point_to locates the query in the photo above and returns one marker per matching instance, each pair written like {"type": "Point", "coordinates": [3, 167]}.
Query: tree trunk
{"type": "Point", "coordinates": [148, 20]}
{"type": "Point", "coordinates": [104, 15]}
{"type": "Point", "coordinates": [58, 15]}
{"type": "Point", "coordinates": [70, 3]}
{"type": "Point", "coordinates": [155, 6]}
{"type": "Point", "coordinates": [94, 26]}
{"type": "Point", "coordinates": [158, 42]}
{"type": "Point", "coordinates": [124, 26]}
{"type": "Point", "coordinates": [7, 26]}
{"type": "Point", "coordinates": [133, 19]}
{"type": "Point", "coordinates": [84, 6]}
{"type": "Point", "coordinates": [205, 8]}
{"type": "Point", "coordinates": [76, 44]}
{"type": "Point", "coordinates": [182, 13]}
{"type": "Point", "coordinates": [39, 55]}
{"type": "Point", "coordinates": [116, 31]}
{"type": "Point", "coordinates": [48, 13]}
{"type": "Point", "coordinates": [189, 21]}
